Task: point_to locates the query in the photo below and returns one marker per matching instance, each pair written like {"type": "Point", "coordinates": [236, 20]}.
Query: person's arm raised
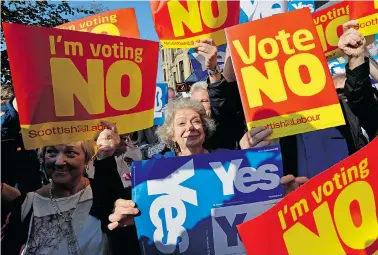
{"type": "Point", "coordinates": [353, 43]}
{"type": "Point", "coordinates": [228, 70]}
{"type": "Point", "coordinates": [358, 88]}
{"type": "Point", "coordinates": [208, 49]}
{"type": "Point", "coordinates": [106, 185]}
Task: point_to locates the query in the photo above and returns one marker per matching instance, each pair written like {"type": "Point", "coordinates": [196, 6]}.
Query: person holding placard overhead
{"type": "Point", "coordinates": [227, 112]}
{"type": "Point", "coordinates": [69, 215]}
{"type": "Point", "coordinates": [361, 95]}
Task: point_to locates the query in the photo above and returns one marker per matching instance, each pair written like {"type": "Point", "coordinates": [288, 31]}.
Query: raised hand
{"type": "Point", "coordinates": [352, 42]}
{"type": "Point", "coordinates": [107, 141]}
{"type": "Point", "coordinates": [207, 49]}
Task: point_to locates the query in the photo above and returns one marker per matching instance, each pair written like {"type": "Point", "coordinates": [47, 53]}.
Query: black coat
{"type": "Point", "coordinates": [362, 97]}
{"type": "Point", "coordinates": [227, 111]}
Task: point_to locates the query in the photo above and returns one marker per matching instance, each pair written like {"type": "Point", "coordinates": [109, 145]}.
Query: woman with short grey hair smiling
{"type": "Point", "coordinates": [186, 127]}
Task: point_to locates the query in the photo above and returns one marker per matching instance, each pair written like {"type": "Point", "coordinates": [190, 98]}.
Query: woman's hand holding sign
{"type": "Point", "coordinates": [256, 137]}
{"type": "Point", "coordinates": [123, 214]}
{"type": "Point", "coordinates": [291, 182]}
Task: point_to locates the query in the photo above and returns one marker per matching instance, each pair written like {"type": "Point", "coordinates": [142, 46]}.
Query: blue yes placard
{"type": "Point", "coordinates": [191, 205]}
{"type": "Point", "coordinates": [257, 9]}
{"type": "Point", "coordinates": [299, 4]}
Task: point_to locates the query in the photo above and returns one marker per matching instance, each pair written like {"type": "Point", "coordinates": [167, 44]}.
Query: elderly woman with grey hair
{"type": "Point", "coordinates": [166, 146]}
{"type": "Point", "coordinates": [186, 127]}
{"type": "Point", "coordinates": [199, 92]}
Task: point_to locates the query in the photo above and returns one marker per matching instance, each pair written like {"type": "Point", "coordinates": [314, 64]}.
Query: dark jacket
{"type": "Point", "coordinates": [227, 111]}
{"type": "Point", "coordinates": [145, 136]}
{"type": "Point", "coordinates": [362, 97]}
{"type": "Point", "coordinates": [106, 187]}
{"type": "Point", "coordinates": [10, 124]}
{"type": "Point", "coordinates": [18, 166]}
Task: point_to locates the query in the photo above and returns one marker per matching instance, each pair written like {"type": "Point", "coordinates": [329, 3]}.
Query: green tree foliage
{"type": "Point", "coordinates": [39, 13]}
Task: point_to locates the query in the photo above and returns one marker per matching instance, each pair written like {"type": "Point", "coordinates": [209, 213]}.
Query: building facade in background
{"type": "Point", "coordinates": [176, 65]}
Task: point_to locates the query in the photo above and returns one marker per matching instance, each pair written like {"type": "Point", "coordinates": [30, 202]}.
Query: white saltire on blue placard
{"type": "Point", "coordinates": [161, 100]}
{"type": "Point", "coordinates": [255, 9]}
{"type": "Point", "coordinates": [299, 4]}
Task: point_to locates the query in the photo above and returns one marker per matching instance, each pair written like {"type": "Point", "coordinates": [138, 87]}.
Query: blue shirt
{"type": "Point", "coordinates": [319, 150]}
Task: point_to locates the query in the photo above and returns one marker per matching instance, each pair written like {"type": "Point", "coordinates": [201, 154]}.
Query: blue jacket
{"type": "Point", "coordinates": [10, 123]}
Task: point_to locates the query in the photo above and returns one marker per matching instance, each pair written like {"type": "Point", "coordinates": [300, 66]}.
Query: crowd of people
{"type": "Point", "coordinates": [68, 198]}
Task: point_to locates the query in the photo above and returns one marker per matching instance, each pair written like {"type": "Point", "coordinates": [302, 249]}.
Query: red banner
{"type": "Point", "coordinates": [67, 81]}
{"type": "Point", "coordinates": [366, 13]}
{"type": "Point", "coordinates": [334, 213]}
{"type": "Point", "coordinates": [282, 74]}
{"type": "Point", "coordinates": [122, 22]}
{"type": "Point", "coordinates": [329, 24]}
{"type": "Point", "coordinates": [179, 23]}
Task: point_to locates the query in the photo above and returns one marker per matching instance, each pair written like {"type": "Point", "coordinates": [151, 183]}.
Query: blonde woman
{"type": "Point", "coordinates": [69, 215]}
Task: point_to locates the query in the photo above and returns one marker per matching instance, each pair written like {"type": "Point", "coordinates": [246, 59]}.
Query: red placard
{"type": "Point", "coordinates": [283, 76]}
{"type": "Point", "coordinates": [122, 22]}
{"type": "Point", "coordinates": [329, 24]}
{"type": "Point", "coordinates": [334, 213]}
{"type": "Point", "coordinates": [179, 23]}
{"type": "Point", "coordinates": [67, 81]}
{"type": "Point", "coordinates": [366, 13]}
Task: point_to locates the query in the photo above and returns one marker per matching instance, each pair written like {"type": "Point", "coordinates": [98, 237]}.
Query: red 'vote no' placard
{"type": "Point", "coordinates": [282, 74]}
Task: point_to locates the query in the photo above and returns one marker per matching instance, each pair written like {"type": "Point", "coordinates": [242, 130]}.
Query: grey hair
{"type": "Point", "coordinates": [198, 85]}
{"type": "Point", "coordinates": [87, 146]}
{"type": "Point", "coordinates": [166, 131]}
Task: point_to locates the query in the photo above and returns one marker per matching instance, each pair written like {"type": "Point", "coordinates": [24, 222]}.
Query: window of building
{"type": "Point", "coordinates": [164, 75]}
{"type": "Point", "coordinates": [162, 56]}
{"type": "Point", "coordinates": [174, 77]}
{"type": "Point", "coordinates": [181, 71]}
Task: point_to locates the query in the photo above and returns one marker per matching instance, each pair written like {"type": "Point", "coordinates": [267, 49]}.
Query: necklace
{"type": "Point", "coordinates": [73, 244]}
{"type": "Point", "coordinates": [55, 205]}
